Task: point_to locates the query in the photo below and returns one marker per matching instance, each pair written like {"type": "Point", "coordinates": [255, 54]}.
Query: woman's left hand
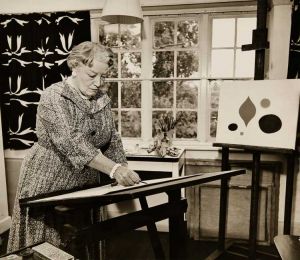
{"type": "Point", "coordinates": [126, 177]}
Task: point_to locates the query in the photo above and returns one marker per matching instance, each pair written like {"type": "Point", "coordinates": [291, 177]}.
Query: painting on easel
{"type": "Point", "coordinates": [261, 113]}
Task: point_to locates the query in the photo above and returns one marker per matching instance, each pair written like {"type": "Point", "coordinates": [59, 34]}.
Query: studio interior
{"type": "Point", "coordinates": [172, 134]}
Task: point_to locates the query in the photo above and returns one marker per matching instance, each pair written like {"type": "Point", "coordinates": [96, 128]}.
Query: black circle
{"type": "Point", "coordinates": [233, 127]}
{"type": "Point", "coordinates": [270, 123]}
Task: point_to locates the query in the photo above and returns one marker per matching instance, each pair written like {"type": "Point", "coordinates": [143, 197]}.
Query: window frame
{"type": "Point", "coordinates": [203, 139]}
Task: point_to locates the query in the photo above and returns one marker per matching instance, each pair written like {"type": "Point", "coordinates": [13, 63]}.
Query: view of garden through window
{"type": "Point", "coordinates": [186, 71]}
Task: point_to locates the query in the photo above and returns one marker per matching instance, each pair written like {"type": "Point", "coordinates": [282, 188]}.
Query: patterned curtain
{"type": "Point", "coordinates": [33, 51]}
{"type": "Point", "coordinates": [294, 57]}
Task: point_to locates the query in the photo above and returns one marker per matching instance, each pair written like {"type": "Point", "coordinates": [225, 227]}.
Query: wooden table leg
{"type": "Point", "coordinates": [254, 205]}
{"type": "Point", "coordinates": [289, 188]}
{"type": "Point", "coordinates": [69, 221]}
{"type": "Point", "coordinates": [177, 230]}
{"type": "Point", "coordinates": [152, 230]}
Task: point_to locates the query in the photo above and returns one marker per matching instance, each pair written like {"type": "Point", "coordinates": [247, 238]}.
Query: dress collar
{"type": "Point", "coordinates": [91, 106]}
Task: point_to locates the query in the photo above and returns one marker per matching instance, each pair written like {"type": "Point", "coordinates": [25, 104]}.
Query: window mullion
{"type": "Point", "coordinates": [204, 45]}
{"type": "Point", "coordinates": [235, 48]}
{"type": "Point", "coordinates": [146, 113]}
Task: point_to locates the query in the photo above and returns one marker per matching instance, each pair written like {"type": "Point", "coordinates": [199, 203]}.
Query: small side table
{"type": "Point", "coordinates": [144, 161]}
{"type": "Point", "coordinates": [151, 166]}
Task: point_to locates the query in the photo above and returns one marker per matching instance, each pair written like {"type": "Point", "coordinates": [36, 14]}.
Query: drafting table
{"type": "Point", "coordinates": [92, 198]}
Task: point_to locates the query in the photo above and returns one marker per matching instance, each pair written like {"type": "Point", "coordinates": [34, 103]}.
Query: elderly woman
{"type": "Point", "coordinates": [76, 141]}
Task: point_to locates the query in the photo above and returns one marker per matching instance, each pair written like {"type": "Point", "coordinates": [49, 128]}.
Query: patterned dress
{"type": "Point", "coordinates": [70, 131]}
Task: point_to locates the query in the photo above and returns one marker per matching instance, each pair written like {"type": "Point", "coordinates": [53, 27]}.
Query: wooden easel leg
{"type": "Point", "coordinates": [152, 230]}
{"type": "Point", "coordinates": [254, 205]}
{"type": "Point", "coordinates": [177, 230]}
{"type": "Point", "coordinates": [289, 188]}
{"type": "Point", "coordinates": [223, 200]}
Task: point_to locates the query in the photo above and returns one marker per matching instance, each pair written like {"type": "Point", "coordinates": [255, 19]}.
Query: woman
{"type": "Point", "coordinates": [76, 141]}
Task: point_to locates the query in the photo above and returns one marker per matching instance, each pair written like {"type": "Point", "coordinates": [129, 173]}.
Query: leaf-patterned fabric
{"type": "Point", "coordinates": [33, 53]}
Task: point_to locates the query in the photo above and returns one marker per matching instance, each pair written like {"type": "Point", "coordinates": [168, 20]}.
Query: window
{"type": "Point", "coordinates": [175, 68]}
{"type": "Point", "coordinates": [123, 87]}
{"type": "Point", "coordinates": [227, 59]}
{"type": "Point", "coordinates": [175, 62]}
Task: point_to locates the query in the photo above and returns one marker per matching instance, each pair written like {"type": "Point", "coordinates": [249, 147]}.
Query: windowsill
{"type": "Point", "coordinates": [194, 150]}
{"type": "Point", "coordinates": [130, 144]}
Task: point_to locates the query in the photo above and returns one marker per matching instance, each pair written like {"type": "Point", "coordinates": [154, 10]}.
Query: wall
{"type": "Point", "coordinates": [5, 220]}
{"type": "Point", "coordinates": [279, 21]}
{"type": "Point", "coordinates": [203, 200]}
{"type": "Point", "coordinates": [27, 6]}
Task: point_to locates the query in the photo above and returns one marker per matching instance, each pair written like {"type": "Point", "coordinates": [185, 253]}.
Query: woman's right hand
{"type": "Point", "coordinates": [126, 177]}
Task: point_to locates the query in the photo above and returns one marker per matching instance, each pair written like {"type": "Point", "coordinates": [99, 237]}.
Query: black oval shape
{"type": "Point", "coordinates": [270, 123]}
{"type": "Point", "coordinates": [233, 127]}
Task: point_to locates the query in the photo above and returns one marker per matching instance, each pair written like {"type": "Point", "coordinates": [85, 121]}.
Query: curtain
{"type": "Point", "coordinates": [294, 56]}
{"type": "Point", "coordinates": [33, 51]}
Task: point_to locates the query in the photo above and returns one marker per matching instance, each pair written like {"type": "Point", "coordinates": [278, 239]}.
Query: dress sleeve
{"type": "Point", "coordinates": [56, 123]}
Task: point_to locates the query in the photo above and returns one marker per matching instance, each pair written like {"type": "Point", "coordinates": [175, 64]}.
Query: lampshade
{"type": "Point", "coordinates": [122, 11]}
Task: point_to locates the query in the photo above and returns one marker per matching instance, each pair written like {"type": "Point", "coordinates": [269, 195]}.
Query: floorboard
{"type": "Point", "coordinates": [136, 245]}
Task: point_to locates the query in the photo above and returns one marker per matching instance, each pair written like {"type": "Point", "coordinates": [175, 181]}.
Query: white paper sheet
{"type": "Point", "coordinates": [98, 191]}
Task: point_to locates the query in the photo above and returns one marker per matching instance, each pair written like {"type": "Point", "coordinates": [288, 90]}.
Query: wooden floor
{"type": "Point", "coordinates": [136, 246]}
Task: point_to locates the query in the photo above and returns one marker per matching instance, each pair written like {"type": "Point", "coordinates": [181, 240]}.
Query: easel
{"type": "Point", "coordinates": [256, 173]}
{"type": "Point", "coordinates": [85, 236]}
{"type": "Point", "coordinates": [259, 44]}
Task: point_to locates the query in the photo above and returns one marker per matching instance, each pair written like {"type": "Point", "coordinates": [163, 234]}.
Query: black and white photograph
{"type": "Point", "coordinates": [150, 130]}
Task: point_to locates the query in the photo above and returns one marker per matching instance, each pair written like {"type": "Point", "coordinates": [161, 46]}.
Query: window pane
{"type": "Point", "coordinates": [131, 94]}
{"type": "Point", "coordinates": [245, 26]}
{"type": "Point", "coordinates": [187, 64]}
{"type": "Point", "coordinates": [187, 124]}
{"type": "Point", "coordinates": [163, 64]}
{"type": "Point", "coordinates": [113, 71]}
{"type": "Point", "coordinates": [112, 92]}
{"type": "Point", "coordinates": [214, 94]}
{"type": "Point", "coordinates": [108, 35]}
{"type": "Point", "coordinates": [222, 63]}
{"type": "Point", "coordinates": [131, 36]}
{"type": "Point", "coordinates": [155, 116]}
{"type": "Point", "coordinates": [223, 32]}
{"type": "Point", "coordinates": [214, 87]}
{"type": "Point", "coordinates": [163, 94]}
{"type": "Point", "coordinates": [187, 94]}
{"type": "Point", "coordinates": [131, 65]}
{"type": "Point", "coordinates": [131, 123]}
{"type": "Point", "coordinates": [163, 34]}
{"type": "Point", "coordinates": [187, 33]}
{"type": "Point", "coordinates": [245, 63]}
{"type": "Point", "coordinates": [213, 123]}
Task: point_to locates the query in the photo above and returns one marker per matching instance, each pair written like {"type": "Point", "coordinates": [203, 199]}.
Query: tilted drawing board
{"type": "Point", "coordinates": [260, 113]}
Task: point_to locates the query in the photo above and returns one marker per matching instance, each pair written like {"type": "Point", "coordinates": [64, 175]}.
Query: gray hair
{"type": "Point", "coordinates": [85, 53]}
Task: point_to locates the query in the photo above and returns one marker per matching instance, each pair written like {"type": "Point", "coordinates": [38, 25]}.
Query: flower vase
{"type": "Point", "coordinates": [170, 136]}
{"type": "Point", "coordinates": [164, 145]}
